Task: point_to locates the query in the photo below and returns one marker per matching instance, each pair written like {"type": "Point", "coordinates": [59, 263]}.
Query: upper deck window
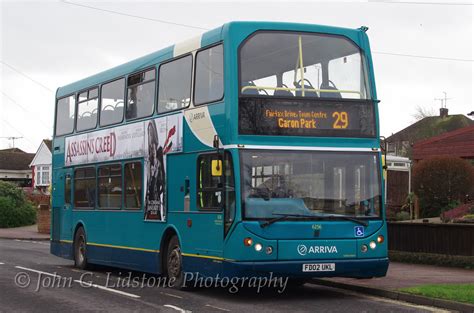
{"type": "Point", "coordinates": [112, 102]}
{"type": "Point", "coordinates": [174, 88]}
{"type": "Point", "coordinates": [65, 109]}
{"type": "Point", "coordinates": [209, 84]}
{"type": "Point", "coordinates": [140, 94]}
{"type": "Point", "coordinates": [303, 65]}
{"type": "Point", "coordinates": [87, 103]}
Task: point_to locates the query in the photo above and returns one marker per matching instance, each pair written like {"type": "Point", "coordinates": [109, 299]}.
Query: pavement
{"type": "Point", "coordinates": [23, 233]}
{"type": "Point", "coordinates": [402, 275]}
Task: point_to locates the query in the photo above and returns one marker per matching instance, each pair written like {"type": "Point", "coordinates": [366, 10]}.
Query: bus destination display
{"type": "Point", "coordinates": [306, 118]}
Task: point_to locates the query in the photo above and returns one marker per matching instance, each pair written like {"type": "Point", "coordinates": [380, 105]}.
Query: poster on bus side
{"type": "Point", "coordinates": [162, 136]}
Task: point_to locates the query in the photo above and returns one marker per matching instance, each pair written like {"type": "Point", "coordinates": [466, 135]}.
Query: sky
{"type": "Point", "coordinates": [420, 49]}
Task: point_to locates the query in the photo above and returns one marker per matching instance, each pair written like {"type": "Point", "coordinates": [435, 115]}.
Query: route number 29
{"type": "Point", "coordinates": [341, 120]}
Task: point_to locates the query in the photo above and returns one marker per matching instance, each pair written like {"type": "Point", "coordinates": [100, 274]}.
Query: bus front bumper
{"type": "Point", "coordinates": [355, 268]}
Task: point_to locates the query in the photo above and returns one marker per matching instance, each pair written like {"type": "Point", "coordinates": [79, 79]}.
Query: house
{"type": "Point", "coordinates": [401, 143]}
{"type": "Point", "coordinates": [14, 166]}
{"type": "Point", "coordinates": [458, 143]}
{"type": "Point", "coordinates": [41, 166]}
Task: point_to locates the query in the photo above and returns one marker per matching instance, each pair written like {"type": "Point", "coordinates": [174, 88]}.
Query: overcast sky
{"type": "Point", "coordinates": [47, 44]}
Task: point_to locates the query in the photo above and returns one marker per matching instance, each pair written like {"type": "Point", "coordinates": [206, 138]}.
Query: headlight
{"type": "Point", "coordinates": [372, 245]}
{"type": "Point", "coordinates": [363, 248]}
{"type": "Point", "coordinates": [258, 247]}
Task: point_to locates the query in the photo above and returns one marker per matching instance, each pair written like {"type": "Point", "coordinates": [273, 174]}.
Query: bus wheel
{"type": "Point", "coordinates": [80, 249]}
{"type": "Point", "coordinates": [174, 264]}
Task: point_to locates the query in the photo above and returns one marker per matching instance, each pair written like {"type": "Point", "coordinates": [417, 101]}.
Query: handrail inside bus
{"type": "Point", "coordinates": [300, 89]}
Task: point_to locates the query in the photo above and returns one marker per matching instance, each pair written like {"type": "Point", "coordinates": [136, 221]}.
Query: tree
{"type": "Point", "coordinates": [422, 112]}
{"type": "Point", "coordinates": [15, 210]}
{"type": "Point", "coordinates": [441, 182]}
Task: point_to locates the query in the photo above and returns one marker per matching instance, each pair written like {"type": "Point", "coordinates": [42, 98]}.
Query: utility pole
{"type": "Point", "coordinates": [12, 138]}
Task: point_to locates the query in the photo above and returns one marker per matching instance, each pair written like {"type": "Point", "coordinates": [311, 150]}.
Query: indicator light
{"type": "Point", "coordinates": [380, 239]}
{"type": "Point", "coordinates": [248, 241]}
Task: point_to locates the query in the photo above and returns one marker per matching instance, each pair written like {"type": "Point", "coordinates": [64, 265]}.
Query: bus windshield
{"type": "Point", "coordinates": [310, 183]}
{"type": "Point", "coordinates": [302, 65]}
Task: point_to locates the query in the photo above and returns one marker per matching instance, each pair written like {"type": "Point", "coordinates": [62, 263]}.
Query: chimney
{"type": "Point", "coordinates": [443, 112]}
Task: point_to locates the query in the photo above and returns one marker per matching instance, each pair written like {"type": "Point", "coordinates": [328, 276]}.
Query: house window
{"type": "Point", "coordinates": [42, 175]}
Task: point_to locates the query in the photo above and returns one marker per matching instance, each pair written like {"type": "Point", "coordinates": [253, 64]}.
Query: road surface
{"type": "Point", "coordinates": [33, 280]}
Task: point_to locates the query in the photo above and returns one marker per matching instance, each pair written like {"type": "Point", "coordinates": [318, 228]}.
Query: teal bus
{"type": "Point", "coordinates": [251, 149]}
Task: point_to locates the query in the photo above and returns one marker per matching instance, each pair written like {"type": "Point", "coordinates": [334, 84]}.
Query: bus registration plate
{"type": "Point", "coordinates": [319, 267]}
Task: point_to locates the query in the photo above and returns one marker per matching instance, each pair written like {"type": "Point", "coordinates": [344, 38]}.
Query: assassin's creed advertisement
{"type": "Point", "coordinates": [162, 136]}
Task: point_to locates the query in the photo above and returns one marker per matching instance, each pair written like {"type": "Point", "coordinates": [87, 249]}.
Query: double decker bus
{"type": "Point", "coordinates": [252, 149]}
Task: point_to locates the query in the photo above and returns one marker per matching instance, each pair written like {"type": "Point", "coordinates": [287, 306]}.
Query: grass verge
{"type": "Point", "coordinates": [453, 292]}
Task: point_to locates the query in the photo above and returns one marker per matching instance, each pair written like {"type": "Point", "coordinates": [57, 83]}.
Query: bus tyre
{"type": "Point", "coordinates": [174, 264]}
{"type": "Point", "coordinates": [80, 249]}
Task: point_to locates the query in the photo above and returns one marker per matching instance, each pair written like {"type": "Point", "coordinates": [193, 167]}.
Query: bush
{"type": "Point", "coordinates": [15, 210]}
{"type": "Point", "coordinates": [402, 216]}
{"type": "Point", "coordinates": [441, 183]}
{"type": "Point", "coordinates": [457, 212]}
{"type": "Point", "coordinates": [462, 261]}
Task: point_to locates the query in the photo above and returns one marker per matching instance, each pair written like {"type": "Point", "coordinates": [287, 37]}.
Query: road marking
{"type": "Point", "coordinates": [171, 295]}
{"type": "Point", "coordinates": [36, 271]}
{"type": "Point", "coordinates": [175, 308]}
{"type": "Point", "coordinates": [217, 308]}
{"type": "Point", "coordinates": [77, 271]}
{"type": "Point", "coordinates": [82, 283]}
{"type": "Point", "coordinates": [87, 284]}
{"type": "Point", "coordinates": [1, 263]}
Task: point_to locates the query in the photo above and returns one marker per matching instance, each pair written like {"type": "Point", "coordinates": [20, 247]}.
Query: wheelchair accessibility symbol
{"type": "Point", "coordinates": [359, 231]}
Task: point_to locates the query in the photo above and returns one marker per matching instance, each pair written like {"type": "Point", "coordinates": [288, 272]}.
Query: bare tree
{"type": "Point", "coordinates": [422, 112]}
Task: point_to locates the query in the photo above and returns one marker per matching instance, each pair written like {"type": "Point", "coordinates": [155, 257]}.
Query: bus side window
{"type": "Point", "coordinates": [209, 84]}
{"type": "Point", "coordinates": [85, 188]}
{"type": "Point", "coordinates": [65, 112]}
{"type": "Point", "coordinates": [174, 84]}
{"type": "Point", "coordinates": [140, 94]}
{"type": "Point", "coordinates": [209, 187]}
{"type": "Point", "coordinates": [111, 102]}
{"type": "Point", "coordinates": [87, 104]}
{"type": "Point", "coordinates": [133, 185]}
{"type": "Point", "coordinates": [67, 190]}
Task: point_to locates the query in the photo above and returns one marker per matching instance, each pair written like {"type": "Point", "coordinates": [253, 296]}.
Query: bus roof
{"type": "Point", "coordinates": [203, 40]}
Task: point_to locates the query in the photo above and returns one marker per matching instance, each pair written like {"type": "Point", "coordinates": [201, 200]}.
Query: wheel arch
{"type": "Point", "coordinates": [78, 225]}
{"type": "Point", "coordinates": [169, 232]}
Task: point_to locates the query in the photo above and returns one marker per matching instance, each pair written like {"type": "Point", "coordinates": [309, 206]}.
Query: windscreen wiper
{"type": "Point", "coordinates": [344, 217]}
{"type": "Point", "coordinates": [282, 216]}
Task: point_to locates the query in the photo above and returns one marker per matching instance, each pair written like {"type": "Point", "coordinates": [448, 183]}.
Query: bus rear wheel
{"type": "Point", "coordinates": [80, 249]}
{"type": "Point", "coordinates": [174, 264]}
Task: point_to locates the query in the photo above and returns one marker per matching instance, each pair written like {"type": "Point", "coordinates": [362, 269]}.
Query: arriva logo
{"type": "Point", "coordinates": [303, 249]}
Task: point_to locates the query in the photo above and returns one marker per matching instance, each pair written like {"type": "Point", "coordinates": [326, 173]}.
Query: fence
{"type": "Point", "coordinates": [449, 239]}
